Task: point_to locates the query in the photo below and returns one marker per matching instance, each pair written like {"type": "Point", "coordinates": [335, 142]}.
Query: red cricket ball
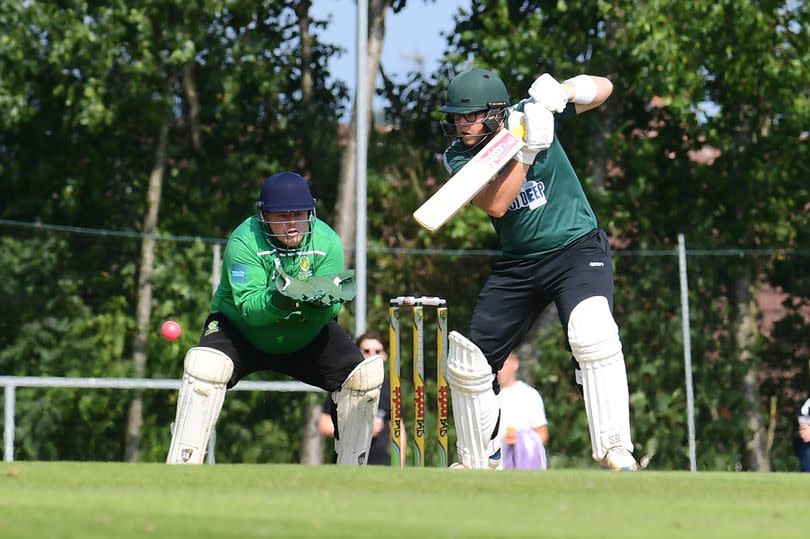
{"type": "Point", "coordinates": [171, 330]}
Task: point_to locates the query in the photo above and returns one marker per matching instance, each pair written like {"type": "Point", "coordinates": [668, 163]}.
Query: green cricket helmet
{"type": "Point", "coordinates": [473, 91]}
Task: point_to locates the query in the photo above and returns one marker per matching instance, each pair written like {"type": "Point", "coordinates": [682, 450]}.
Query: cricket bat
{"type": "Point", "coordinates": [468, 182]}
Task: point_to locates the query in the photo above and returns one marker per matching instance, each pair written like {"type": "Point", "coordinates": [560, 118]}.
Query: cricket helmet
{"type": "Point", "coordinates": [281, 193]}
{"type": "Point", "coordinates": [475, 90]}
{"type": "Point", "coordinates": [285, 191]}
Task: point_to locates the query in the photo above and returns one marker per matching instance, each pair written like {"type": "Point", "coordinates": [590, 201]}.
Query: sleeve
{"type": "Point", "coordinates": [249, 283]}
{"type": "Point", "coordinates": [454, 160]}
{"type": "Point", "coordinates": [537, 410]}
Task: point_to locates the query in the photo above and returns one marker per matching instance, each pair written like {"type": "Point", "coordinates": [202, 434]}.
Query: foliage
{"type": "Point", "coordinates": [84, 87]}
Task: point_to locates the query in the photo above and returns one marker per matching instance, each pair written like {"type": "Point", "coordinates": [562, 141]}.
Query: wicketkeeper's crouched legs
{"type": "Point", "coordinates": [594, 340]}
{"type": "Point", "coordinates": [357, 403]}
{"type": "Point", "coordinates": [475, 406]}
{"type": "Point", "coordinates": [202, 392]}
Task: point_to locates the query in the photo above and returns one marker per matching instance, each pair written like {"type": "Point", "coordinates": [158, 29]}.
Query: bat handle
{"type": "Point", "coordinates": [519, 131]}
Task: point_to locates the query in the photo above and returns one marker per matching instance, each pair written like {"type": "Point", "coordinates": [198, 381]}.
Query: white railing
{"type": "Point", "coordinates": [11, 383]}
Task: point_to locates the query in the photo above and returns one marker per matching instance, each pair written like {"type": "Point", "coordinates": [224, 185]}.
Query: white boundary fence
{"type": "Point", "coordinates": [11, 383]}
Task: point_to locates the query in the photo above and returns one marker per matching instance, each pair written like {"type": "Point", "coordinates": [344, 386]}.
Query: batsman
{"type": "Point", "coordinates": [283, 284]}
{"type": "Point", "coordinates": [553, 251]}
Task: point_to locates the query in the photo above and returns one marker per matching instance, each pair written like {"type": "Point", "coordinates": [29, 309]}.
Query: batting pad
{"type": "Point", "coordinates": [475, 405]}
{"type": "Point", "coordinates": [202, 392]}
{"type": "Point", "coordinates": [594, 340]}
{"type": "Point", "coordinates": [357, 403]}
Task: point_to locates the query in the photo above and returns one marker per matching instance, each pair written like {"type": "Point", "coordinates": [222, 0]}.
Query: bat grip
{"type": "Point", "coordinates": [519, 131]}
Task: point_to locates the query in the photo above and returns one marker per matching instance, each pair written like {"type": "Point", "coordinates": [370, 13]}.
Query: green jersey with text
{"type": "Point", "coordinates": [248, 283]}
{"type": "Point", "coordinates": [551, 209]}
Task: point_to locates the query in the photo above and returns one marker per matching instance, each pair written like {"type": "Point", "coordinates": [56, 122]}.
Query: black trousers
{"type": "Point", "coordinates": [517, 291]}
{"type": "Point", "coordinates": [325, 362]}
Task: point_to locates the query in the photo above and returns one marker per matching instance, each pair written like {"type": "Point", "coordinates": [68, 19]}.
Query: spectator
{"type": "Point", "coordinates": [523, 430]}
{"type": "Point", "coordinates": [370, 344]}
{"type": "Point", "coordinates": [801, 440]}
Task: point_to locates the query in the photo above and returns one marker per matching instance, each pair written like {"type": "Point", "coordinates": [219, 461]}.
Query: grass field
{"type": "Point", "coordinates": [111, 500]}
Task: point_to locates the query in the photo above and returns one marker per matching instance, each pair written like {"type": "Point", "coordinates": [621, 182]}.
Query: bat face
{"type": "Point", "coordinates": [467, 182]}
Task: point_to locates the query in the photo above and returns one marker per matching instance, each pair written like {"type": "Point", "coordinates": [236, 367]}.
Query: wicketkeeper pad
{"type": "Point", "coordinates": [357, 403]}
{"type": "Point", "coordinates": [475, 405]}
{"type": "Point", "coordinates": [594, 340]}
{"type": "Point", "coordinates": [202, 393]}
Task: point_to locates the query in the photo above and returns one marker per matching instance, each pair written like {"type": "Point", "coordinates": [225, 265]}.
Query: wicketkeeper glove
{"type": "Point", "coordinates": [549, 93]}
{"type": "Point", "coordinates": [338, 288]}
{"type": "Point", "coordinates": [297, 290]}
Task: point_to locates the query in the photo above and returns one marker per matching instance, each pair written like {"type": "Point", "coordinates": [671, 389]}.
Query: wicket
{"type": "Point", "coordinates": [417, 306]}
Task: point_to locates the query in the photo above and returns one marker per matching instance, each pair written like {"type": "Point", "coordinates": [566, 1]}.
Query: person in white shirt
{"type": "Point", "coordinates": [523, 429]}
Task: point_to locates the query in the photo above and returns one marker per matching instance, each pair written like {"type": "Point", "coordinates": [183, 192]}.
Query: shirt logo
{"type": "Point", "coordinates": [596, 264]}
{"type": "Point", "coordinates": [532, 196]}
{"type": "Point", "coordinates": [305, 266]}
{"type": "Point", "coordinates": [238, 273]}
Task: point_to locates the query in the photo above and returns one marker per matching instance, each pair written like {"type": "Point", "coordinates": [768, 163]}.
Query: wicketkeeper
{"type": "Point", "coordinates": [283, 284]}
{"type": "Point", "coordinates": [553, 251]}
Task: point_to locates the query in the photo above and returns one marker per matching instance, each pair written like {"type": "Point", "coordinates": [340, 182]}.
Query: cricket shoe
{"type": "Point", "coordinates": [619, 459]}
{"type": "Point", "coordinates": [494, 462]}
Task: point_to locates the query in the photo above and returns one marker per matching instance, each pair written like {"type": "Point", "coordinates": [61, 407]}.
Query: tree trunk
{"type": "Point", "coordinates": [193, 100]}
{"type": "Point", "coordinates": [144, 308]}
{"type": "Point", "coordinates": [311, 442]}
{"type": "Point", "coordinates": [346, 199]}
{"type": "Point", "coordinates": [307, 90]}
{"type": "Point", "coordinates": [747, 330]}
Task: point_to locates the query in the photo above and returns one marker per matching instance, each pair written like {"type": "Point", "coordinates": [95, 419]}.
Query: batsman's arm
{"type": "Point", "coordinates": [587, 92]}
{"type": "Point", "coordinates": [499, 194]}
{"type": "Point", "coordinates": [496, 197]}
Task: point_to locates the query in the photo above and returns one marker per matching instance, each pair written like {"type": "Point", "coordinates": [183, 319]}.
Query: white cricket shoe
{"type": "Point", "coordinates": [618, 458]}
{"type": "Point", "coordinates": [494, 462]}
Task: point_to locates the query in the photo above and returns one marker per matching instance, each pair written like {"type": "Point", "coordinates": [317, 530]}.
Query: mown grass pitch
{"type": "Point", "coordinates": [113, 500]}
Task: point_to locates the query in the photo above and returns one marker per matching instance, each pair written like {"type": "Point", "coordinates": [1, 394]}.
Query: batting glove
{"type": "Point", "coordinates": [538, 126]}
{"type": "Point", "coordinates": [549, 93]}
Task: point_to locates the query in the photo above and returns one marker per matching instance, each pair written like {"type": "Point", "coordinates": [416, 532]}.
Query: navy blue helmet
{"type": "Point", "coordinates": [283, 193]}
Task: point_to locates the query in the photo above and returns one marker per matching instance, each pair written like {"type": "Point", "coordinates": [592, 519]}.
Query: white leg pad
{"type": "Point", "coordinates": [202, 392]}
{"type": "Point", "coordinates": [475, 405]}
{"type": "Point", "coordinates": [357, 403]}
{"type": "Point", "coordinates": [594, 340]}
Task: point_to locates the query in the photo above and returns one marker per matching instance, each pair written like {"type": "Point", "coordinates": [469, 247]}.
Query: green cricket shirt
{"type": "Point", "coordinates": [247, 285]}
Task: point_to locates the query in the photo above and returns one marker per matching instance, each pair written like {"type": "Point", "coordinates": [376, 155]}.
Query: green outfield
{"type": "Point", "coordinates": [111, 500]}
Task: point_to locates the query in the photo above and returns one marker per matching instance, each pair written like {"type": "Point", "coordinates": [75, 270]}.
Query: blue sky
{"type": "Point", "coordinates": [414, 31]}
